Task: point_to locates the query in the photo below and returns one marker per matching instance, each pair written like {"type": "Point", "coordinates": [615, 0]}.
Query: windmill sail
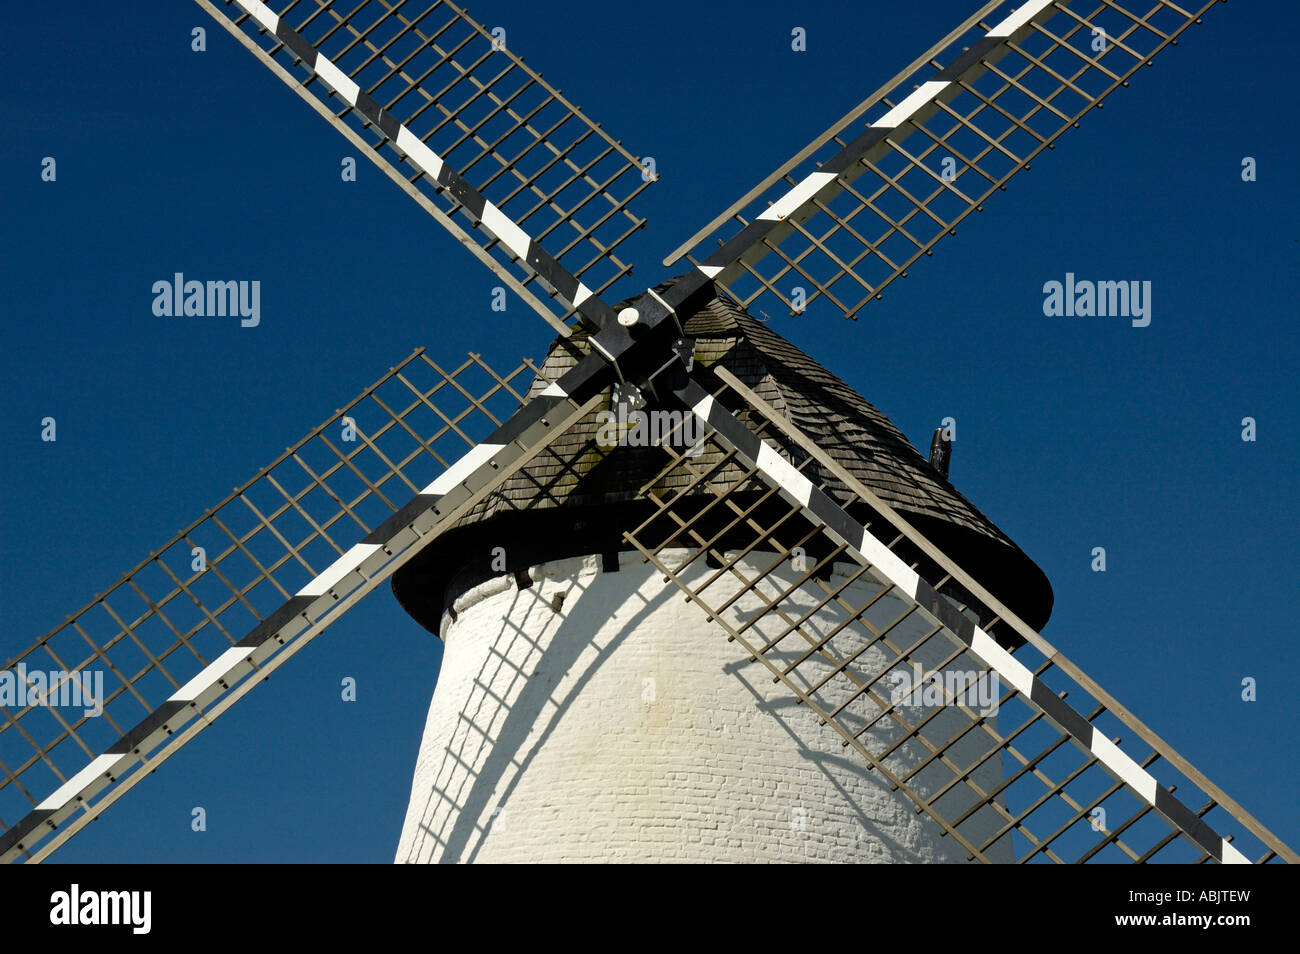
{"type": "Point", "coordinates": [854, 209]}
{"type": "Point", "coordinates": [193, 628]}
{"type": "Point", "coordinates": [1045, 766]}
{"type": "Point", "coordinates": [448, 111]}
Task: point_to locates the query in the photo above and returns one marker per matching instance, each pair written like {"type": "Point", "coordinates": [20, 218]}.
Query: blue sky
{"type": "Point", "coordinates": [1072, 434]}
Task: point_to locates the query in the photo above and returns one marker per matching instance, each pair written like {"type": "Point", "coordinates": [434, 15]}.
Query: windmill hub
{"type": "Point", "coordinates": [628, 317]}
{"type": "Point", "coordinates": [629, 396]}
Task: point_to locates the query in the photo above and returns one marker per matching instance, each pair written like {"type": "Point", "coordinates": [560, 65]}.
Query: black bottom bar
{"type": "Point", "coordinates": [944, 908]}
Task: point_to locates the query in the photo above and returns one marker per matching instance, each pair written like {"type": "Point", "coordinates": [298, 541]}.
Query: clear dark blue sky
{"type": "Point", "coordinates": [1072, 434]}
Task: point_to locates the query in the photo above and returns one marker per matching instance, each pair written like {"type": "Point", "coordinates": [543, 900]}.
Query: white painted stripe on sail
{"type": "Point", "coordinates": [796, 197]}
{"type": "Point", "coordinates": [784, 473]}
{"type": "Point", "coordinates": [212, 672]}
{"type": "Point", "coordinates": [339, 569]}
{"type": "Point", "coordinates": [701, 410]}
{"type": "Point", "coordinates": [888, 563]}
{"type": "Point", "coordinates": [475, 458]}
{"type": "Point", "coordinates": [340, 82]}
{"type": "Point", "coordinates": [1007, 666]}
{"type": "Point", "coordinates": [504, 228]}
{"type": "Point", "coordinates": [424, 157]}
{"type": "Point", "coordinates": [1231, 856]}
{"type": "Point", "coordinates": [69, 789]}
{"type": "Point", "coordinates": [904, 110]}
{"type": "Point", "coordinates": [1026, 12]}
{"type": "Point", "coordinates": [1118, 761]}
{"type": "Point", "coordinates": [261, 13]}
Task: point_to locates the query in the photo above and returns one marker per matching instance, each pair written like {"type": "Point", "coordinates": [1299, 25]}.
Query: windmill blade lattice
{"type": "Point", "coordinates": [193, 628]}
{"type": "Point", "coordinates": [857, 207]}
{"type": "Point", "coordinates": [847, 614]}
{"type": "Point", "coordinates": [478, 131]}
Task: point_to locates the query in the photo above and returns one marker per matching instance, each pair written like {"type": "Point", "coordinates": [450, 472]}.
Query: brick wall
{"type": "Point", "coordinates": [622, 726]}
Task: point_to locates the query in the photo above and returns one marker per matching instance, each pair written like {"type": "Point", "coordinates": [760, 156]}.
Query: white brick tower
{"type": "Point", "coordinates": [586, 711]}
{"type": "Point", "coordinates": [595, 715]}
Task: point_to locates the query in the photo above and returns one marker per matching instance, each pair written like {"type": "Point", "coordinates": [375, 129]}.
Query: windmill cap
{"type": "Point", "coordinates": [577, 498]}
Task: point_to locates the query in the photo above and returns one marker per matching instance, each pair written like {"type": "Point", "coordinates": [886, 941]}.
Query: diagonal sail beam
{"type": "Point", "coordinates": [843, 123]}
{"type": "Point", "coordinates": [420, 198]}
{"type": "Point", "coordinates": [871, 236]}
{"type": "Point", "coordinates": [855, 539]}
{"type": "Point", "coordinates": [1018, 626]}
{"type": "Point", "coordinates": [322, 600]}
{"type": "Point", "coordinates": [799, 203]}
{"type": "Point", "coordinates": [485, 215]}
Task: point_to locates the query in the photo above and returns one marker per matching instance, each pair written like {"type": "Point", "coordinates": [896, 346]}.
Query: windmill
{"type": "Point", "coordinates": [761, 509]}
